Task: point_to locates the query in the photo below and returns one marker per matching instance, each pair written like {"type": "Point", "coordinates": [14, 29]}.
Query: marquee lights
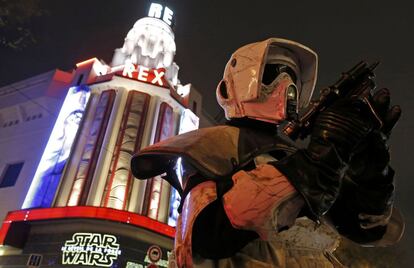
{"type": "Point", "coordinates": [92, 249]}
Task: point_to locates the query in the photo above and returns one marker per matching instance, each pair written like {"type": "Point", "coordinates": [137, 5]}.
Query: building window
{"type": "Point", "coordinates": [11, 123]}
{"type": "Point", "coordinates": [10, 174]}
{"type": "Point", "coordinates": [33, 117]}
{"type": "Point", "coordinates": [34, 260]}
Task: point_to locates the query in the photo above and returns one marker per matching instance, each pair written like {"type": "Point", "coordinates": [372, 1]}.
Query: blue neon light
{"type": "Point", "coordinates": [49, 172]}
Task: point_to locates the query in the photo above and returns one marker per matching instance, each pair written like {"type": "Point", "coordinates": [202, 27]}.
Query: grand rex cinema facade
{"type": "Point", "coordinates": [67, 194]}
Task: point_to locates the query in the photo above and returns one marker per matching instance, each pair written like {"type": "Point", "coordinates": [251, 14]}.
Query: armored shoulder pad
{"type": "Point", "coordinates": [214, 152]}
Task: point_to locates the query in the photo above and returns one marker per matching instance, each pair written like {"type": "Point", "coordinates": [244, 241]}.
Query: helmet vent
{"type": "Point", "coordinates": [270, 73]}
{"type": "Point", "coordinates": [223, 89]}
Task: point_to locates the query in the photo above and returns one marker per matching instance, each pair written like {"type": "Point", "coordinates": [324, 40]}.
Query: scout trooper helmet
{"type": "Point", "coordinates": [268, 81]}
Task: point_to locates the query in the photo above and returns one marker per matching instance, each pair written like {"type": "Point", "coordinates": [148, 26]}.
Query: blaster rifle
{"type": "Point", "coordinates": [357, 83]}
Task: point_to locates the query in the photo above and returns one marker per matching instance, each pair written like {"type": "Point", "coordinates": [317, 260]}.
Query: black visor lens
{"type": "Point", "coordinates": [271, 71]}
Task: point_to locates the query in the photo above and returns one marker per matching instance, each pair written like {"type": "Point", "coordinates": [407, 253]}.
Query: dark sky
{"type": "Point", "coordinates": [207, 32]}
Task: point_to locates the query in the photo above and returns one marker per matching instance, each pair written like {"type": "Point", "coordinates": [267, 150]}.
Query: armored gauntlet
{"type": "Point", "coordinates": [317, 172]}
{"type": "Point", "coordinates": [365, 204]}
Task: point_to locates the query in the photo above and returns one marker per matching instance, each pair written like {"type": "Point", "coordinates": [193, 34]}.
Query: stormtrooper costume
{"type": "Point", "coordinates": [251, 197]}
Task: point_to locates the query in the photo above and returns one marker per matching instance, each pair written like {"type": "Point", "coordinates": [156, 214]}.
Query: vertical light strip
{"type": "Point", "coordinates": [91, 149]}
{"type": "Point", "coordinates": [128, 141]}
{"type": "Point", "coordinates": [188, 122]}
{"type": "Point", "coordinates": [165, 129]}
{"type": "Point", "coordinates": [49, 171]}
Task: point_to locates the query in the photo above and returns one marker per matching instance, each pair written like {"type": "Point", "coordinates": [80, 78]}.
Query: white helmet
{"type": "Point", "coordinates": [260, 78]}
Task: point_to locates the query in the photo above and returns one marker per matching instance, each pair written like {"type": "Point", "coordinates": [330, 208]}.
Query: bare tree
{"type": "Point", "coordinates": [16, 17]}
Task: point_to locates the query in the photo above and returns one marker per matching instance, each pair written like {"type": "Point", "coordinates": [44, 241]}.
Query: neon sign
{"type": "Point", "coordinates": [160, 12]}
{"type": "Point", "coordinates": [91, 249]}
{"type": "Point", "coordinates": [189, 121]}
{"type": "Point", "coordinates": [145, 74]}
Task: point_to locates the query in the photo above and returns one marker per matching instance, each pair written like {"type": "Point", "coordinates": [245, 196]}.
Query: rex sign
{"type": "Point", "coordinates": [145, 74]}
{"type": "Point", "coordinates": [160, 12]}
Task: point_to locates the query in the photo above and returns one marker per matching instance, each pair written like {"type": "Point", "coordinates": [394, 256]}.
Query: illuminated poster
{"type": "Point", "coordinates": [48, 174]}
{"type": "Point", "coordinates": [188, 122]}
{"type": "Point", "coordinates": [175, 200]}
{"type": "Point", "coordinates": [90, 153]}
{"type": "Point", "coordinates": [128, 142]}
{"type": "Point", "coordinates": [165, 129]}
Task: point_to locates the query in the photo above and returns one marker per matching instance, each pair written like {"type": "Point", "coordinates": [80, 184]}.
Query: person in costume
{"type": "Point", "coordinates": [253, 198]}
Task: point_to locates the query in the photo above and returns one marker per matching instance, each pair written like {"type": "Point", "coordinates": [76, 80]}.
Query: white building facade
{"type": "Point", "coordinates": [67, 194]}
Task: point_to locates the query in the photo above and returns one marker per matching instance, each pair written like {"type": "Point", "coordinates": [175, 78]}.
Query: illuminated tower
{"type": "Point", "coordinates": [83, 206]}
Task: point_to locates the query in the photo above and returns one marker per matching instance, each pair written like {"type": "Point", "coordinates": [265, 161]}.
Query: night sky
{"type": "Point", "coordinates": [207, 32]}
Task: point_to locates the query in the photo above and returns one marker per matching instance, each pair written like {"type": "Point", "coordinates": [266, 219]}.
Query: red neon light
{"type": "Point", "coordinates": [120, 139]}
{"type": "Point", "coordinates": [138, 142]}
{"type": "Point", "coordinates": [165, 128]}
{"type": "Point", "coordinates": [85, 62]}
{"type": "Point", "coordinates": [3, 231]}
{"type": "Point", "coordinates": [100, 213]}
{"type": "Point", "coordinates": [98, 139]}
{"type": "Point", "coordinates": [118, 148]}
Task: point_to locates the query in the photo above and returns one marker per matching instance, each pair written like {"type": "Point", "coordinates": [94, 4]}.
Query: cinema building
{"type": "Point", "coordinates": [67, 195]}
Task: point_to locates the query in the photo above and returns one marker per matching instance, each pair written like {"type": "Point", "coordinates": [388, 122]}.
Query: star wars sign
{"type": "Point", "coordinates": [100, 250]}
{"type": "Point", "coordinates": [145, 74]}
